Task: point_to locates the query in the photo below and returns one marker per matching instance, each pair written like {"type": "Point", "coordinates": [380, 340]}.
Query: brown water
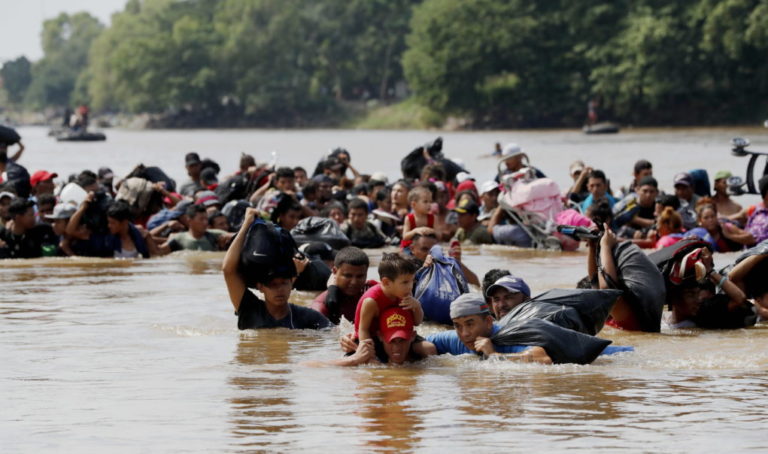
{"type": "Point", "coordinates": [134, 356]}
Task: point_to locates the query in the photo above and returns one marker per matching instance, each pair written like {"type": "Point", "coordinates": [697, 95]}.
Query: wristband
{"type": "Point", "coordinates": [722, 281]}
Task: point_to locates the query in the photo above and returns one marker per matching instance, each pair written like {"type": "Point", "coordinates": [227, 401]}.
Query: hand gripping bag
{"type": "Point", "coordinates": [268, 252]}
{"type": "Point", "coordinates": [581, 310]}
{"type": "Point", "coordinates": [438, 285]}
{"type": "Point", "coordinates": [561, 344]}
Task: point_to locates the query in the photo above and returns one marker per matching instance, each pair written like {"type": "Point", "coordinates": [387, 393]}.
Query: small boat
{"type": "Point", "coordinates": [606, 127]}
{"type": "Point", "coordinates": [79, 136]}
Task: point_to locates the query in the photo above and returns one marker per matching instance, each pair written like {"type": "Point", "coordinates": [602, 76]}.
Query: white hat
{"type": "Point", "coordinates": [511, 150]}
{"type": "Point", "coordinates": [488, 186]}
{"type": "Point", "coordinates": [464, 176]}
{"type": "Point", "coordinates": [380, 176]}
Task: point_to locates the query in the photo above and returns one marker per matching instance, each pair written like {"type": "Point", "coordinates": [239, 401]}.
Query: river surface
{"type": "Point", "coordinates": [144, 356]}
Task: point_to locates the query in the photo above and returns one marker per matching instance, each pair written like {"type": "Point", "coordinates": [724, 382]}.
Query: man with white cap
{"type": "Point", "coordinates": [506, 293]}
{"type": "Point", "coordinates": [489, 195]}
{"type": "Point", "coordinates": [514, 159]}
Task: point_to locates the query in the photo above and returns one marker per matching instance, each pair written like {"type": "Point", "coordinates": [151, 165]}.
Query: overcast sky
{"type": "Point", "coordinates": [21, 22]}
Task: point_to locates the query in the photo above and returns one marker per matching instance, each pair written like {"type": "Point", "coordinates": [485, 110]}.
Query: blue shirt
{"type": "Point", "coordinates": [588, 201]}
{"type": "Point", "coordinates": [449, 342]}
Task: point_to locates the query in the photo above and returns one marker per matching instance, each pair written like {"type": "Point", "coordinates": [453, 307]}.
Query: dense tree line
{"type": "Point", "coordinates": [496, 63]}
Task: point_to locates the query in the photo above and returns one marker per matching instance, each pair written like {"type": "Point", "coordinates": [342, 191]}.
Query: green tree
{"type": "Point", "coordinates": [66, 42]}
{"type": "Point", "coordinates": [16, 76]}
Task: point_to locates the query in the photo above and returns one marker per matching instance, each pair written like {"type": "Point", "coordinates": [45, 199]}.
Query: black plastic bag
{"type": "Point", "coordinates": [756, 281]}
{"type": "Point", "coordinates": [412, 164]}
{"type": "Point", "coordinates": [581, 310]}
{"type": "Point", "coordinates": [9, 136]}
{"type": "Point", "coordinates": [155, 175]}
{"type": "Point", "coordinates": [643, 285]}
{"type": "Point", "coordinates": [314, 278]}
{"type": "Point", "coordinates": [268, 252]}
{"type": "Point", "coordinates": [315, 228]}
{"type": "Point", "coordinates": [561, 344]}
{"type": "Point", "coordinates": [437, 286]}
{"type": "Point", "coordinates": [234, 210]}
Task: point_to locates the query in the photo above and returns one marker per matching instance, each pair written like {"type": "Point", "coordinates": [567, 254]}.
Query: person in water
{"type": "Point", "coordinates": [274, 311]}
{"type": "Point", "coordinates": [507, 293]}
{"type": "Point", "coordinates": [396, 273]}
{"type": "Point", "coordinates": [346, 285]}
{"type": "Point", "coordinates": [396, 339]}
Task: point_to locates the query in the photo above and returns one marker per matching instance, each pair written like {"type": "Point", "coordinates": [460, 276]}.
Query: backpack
{"type": "Point", "coordinates": [315, 228]}
{"type": "Point", "coordinates": [267, 253]}
{"type": "Point", "coordinates": [437, 286]}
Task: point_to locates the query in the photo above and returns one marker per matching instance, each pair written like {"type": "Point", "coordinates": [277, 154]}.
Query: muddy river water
{"type": "Point", "coordinates": [144, 356]}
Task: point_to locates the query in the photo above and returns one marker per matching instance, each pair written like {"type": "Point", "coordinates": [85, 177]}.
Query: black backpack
{"type": "Point", "coordinates": [267, 253]}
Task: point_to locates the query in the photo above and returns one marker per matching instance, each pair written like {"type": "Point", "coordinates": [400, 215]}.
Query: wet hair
{"type": "Point", "coordinates": [46, 199]}
{"type": "Point", "coordinates": [642, 165]}
{"type": "Point", "coordinates": [361, 188]}
{"type": "Point", "coordinates": [418, 236]}
{"type": "Point", "coordinates": [648, 181]}
{"type": "Point", "coordinates": [120, 211]}
{"type": "Point", "coordinates": [193, 209]}
{"type": "Point", "coordinates": [417, 192]}
{"type": "Point", "coordinates": [286, 204]}
{"type": "Point", "coordinates": [703, 204]}
{"type": "Point", "coordinates": [492, 276]}
{"type": "Point", "coordinates": [310, 188]}
{"type": "Point", "coordinates": [668, 200]}
{"type": "Point", "coordinates": [357, 204]}
{"type": "Point", "coordinates": [600, 213]}
{"type": "Point", "coordinates": [86, 178]}
{"type": "Point", "coordinates": [598, 175]}
{"type": "Point", "coordinates": [213, 215]}
{"type": "Point", "coordinates": [670, 219]}
{"type": "Point", "coordinates": [284, 172]}
{"type": "Point", "coordinates": [20, 206]}
{"type": "Point", "coordinates": [326, 212]}
{"type": "Point", "coordinates": [351, 255]}
{"type": "Point", "coordinates": [397, 264]}
{"type": "Point", "coordinates": [382, 195]}
{"type": "Point", "coordinates": [246, 161]}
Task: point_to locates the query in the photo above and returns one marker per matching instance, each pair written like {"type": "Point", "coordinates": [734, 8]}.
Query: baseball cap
{"type": "Point", "coordinates": [469, 304]}
{"type": "Point", "coordinates": [208, 175]}
{"type": "Point", "coordinates": [576, 166]}
{"type": "Point", "coordinates": [207, 198]}
{"type": "Point", "coordinates": [192, 158]}
{"type": "Point", "coordinates": [510, 283]}
{"type": "Point", "coordinates": [5, 194]}
{"type": "Point", "coordinates": [683, 178]}
{"type": "Point", "coordinates": [723, 174]}
{"type": "Point", "coordinates": [396, 322]}
{"type": "Point", "coordinates": [467, 206]}
{"type": "Point", "coordinates": [41, 175]}
{"type": "Point", "coordinates": [105, 173]}
{"type": "Point", "coordinates": [62, 211]}
{"type": "Point", "coordinates": [464, 176]}
{"type": "Point", "coordinates": [488, 186]}
{"type": "Point", "coordinates": [380, 176]}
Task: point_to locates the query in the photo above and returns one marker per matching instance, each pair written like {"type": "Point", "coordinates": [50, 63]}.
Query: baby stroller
{"type": "Point", "coordinates": [532, 203]}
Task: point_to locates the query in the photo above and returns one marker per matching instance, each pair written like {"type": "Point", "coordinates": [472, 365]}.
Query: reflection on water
{"type": "Point", "coordinates": [138, 356]}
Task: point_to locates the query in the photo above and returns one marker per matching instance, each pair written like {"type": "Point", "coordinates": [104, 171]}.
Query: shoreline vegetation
{"type": "Point", "coordinates": [451, 64]}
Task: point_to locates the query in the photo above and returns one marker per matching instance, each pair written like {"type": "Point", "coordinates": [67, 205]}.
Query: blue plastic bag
{"type": "Point", "coordinates": [438, 285]}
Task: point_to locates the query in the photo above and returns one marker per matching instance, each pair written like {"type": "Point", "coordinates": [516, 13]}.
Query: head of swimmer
{"type": "Point", "coordinates": [470, 327]}
{"type": "Point", "coordinates": [421, 245]}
